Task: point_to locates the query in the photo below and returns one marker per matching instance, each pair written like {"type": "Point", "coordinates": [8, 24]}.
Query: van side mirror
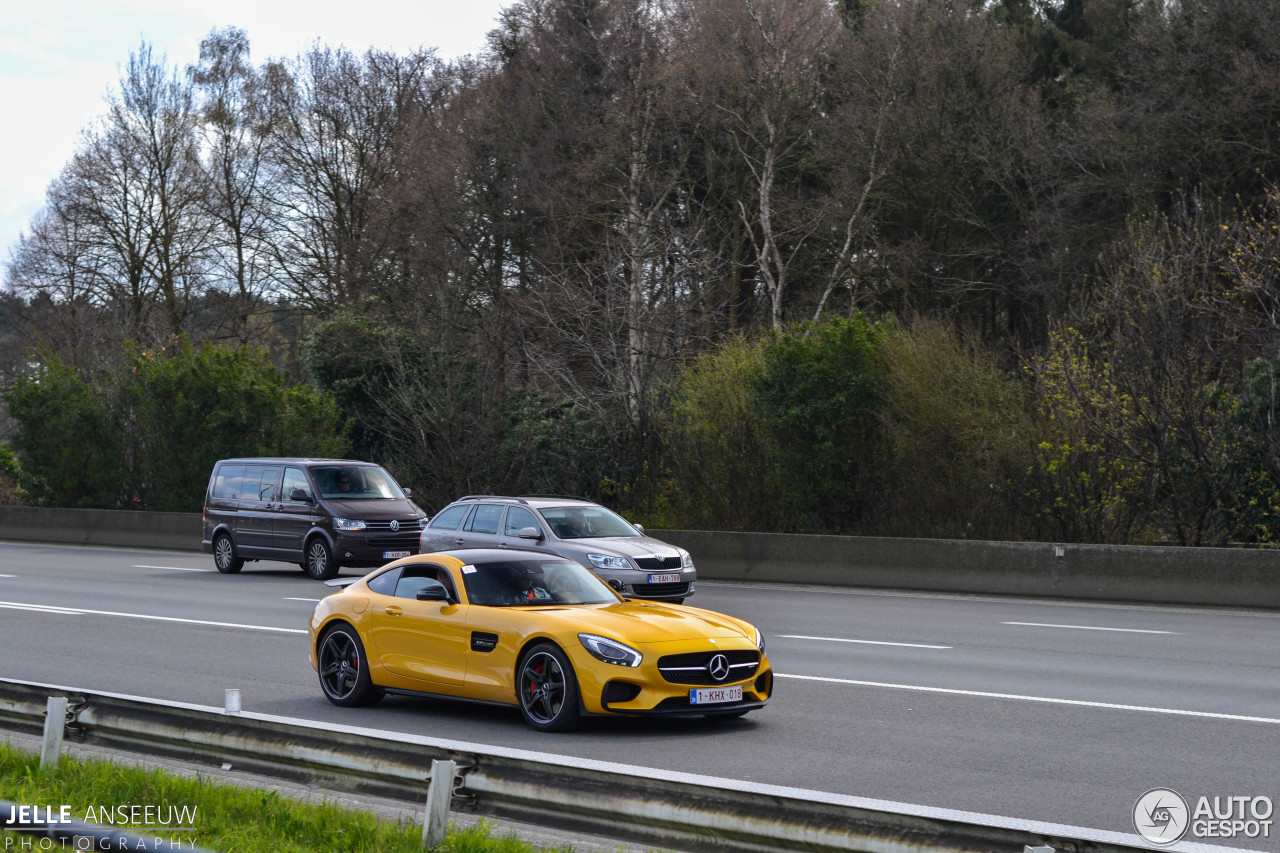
{"type": "Point", "coordinates": [300, 495]}
{"type": "Point", "coordinates": [529, 533]}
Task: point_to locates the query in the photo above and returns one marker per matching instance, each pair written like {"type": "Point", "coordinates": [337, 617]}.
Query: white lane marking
{"type": "Point", "coordinates": [173, 568]}
{"type": "Point", "coordinates": [304, 599]}
{"type": "Point", "coordinates": [1088, 628]}
{"type": "Point", "coordinates": [40, 608]}
{"type": "Point", "coordinates": [867, 642]}
{"type": "Point", "coordinates": [1080, 703]}
{"type": "Point", "coordinates": [80, 611]}
{"type": "Point", "coordinates": [8, 576]}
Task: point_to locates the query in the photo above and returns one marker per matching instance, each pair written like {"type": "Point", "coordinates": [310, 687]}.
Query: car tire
{"type": "Point", "coordinates": [224, 555]}
{"type": "Point", "coordinates": [320, 564]}
{"type": "Point", "coordinates": [548, 690]}
{"type": "Point", "coordinates": [343, 668]}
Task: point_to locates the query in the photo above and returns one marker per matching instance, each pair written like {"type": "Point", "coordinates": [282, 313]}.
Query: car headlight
{"type": "Point", "coordinates": [609, 651]}
{"type": "Point", "coordinates": [348, 524]}
{"type": "Point", "coordinates": [607, 561]}
{"type": "Point", "coordinates": [759, 640]}
{"type": "Point", "coordinates": [686, 560]}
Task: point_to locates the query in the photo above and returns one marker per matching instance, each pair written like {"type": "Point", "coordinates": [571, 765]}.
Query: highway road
{"type": "Point", "coordinates": [1062, 712]}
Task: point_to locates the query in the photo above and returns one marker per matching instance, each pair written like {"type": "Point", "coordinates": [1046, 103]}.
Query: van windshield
{"type": "Point", "coordinates": [356, 482]}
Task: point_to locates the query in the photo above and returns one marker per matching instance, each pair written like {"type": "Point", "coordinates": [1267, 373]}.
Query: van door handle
{"type": "Point", "coordinates": [393, 611]}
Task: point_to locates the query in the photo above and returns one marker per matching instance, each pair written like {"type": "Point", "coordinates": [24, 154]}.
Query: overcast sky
{"type": "Point", "coordinates": [58, 58]}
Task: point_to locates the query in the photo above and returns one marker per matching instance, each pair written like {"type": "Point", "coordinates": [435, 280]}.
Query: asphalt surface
{"type": "Point", "coordinates": [1047, 711]}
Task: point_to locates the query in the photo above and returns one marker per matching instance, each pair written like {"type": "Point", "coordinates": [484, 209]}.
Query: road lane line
{"type": "Point", "coordinates": [173, 568]}
{"type": "Point", "coordinates": [1080, 703]}
{"type": "Point", "coordinates": [304, 599]}
{"type": "Point", "coordinates": [867, 642]}
{"type": "Point", "coordinates": [8, 576]}
{"type": "Point", "coordinates": [1089, 628]}
{"type": "Point", "coordinates": [74, 611]}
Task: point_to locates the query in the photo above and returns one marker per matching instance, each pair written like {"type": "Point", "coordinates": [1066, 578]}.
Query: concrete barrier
{"type": "Point", "coordinates": [125, 528]}
{"type": "Point", "coordinates": [1231, 577]}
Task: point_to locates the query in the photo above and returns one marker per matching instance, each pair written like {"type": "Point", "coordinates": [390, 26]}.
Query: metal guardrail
{"type": "Point", "coordinates": [669, 809]}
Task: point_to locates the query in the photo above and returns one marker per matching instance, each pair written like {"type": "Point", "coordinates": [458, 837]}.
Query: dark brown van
{"type": "Point", "coordinates": [322, 514]}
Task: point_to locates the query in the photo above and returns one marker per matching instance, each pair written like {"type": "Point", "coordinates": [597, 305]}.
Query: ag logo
{"type": "Point", "coordinates": [1161, 816]}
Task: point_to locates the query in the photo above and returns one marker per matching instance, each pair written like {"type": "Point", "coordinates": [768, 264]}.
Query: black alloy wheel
{"type": "Point", "coordinates": [224, 555]}
{"type": "Point", "coordinates": [548, 690]}
{"type": "Point", "coordinates": [344, 669]}
{"type": "Point", "coordinates": [320, 564]}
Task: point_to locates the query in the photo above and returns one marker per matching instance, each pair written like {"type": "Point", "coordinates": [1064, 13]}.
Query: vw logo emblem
{"type": "Point", "coordinates": [395, 525]}
{"type": "Point", "coordinates": [718, 667]}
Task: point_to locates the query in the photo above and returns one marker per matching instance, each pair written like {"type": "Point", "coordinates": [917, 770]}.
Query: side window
{"type": "Point", "coordinates": [485, 519]}
{"type": "Point", "coordinates": [449, 519]}
{"type": "Point", "coordinates": [269, 486]}
{"type": "Point", "coordinates": [249, 483]}
{"type": "Point", "coordinates": [294, 478]}
{"type": "Point", "coordinates": [412, 578]}
{"type": "Point", "coordinates": [226, 486]}
{"type": "Point", "coordinates": [385, 583]}
{"type": "Point", "coordinates": [519, 518]}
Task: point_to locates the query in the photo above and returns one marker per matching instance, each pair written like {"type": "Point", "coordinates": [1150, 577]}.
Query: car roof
{"type": "Point", "coordinates": [536, 501]}
{"type": "Point", "coordinates": [495, 555]}
{"type": "Point", "coordinates": [296, 460]}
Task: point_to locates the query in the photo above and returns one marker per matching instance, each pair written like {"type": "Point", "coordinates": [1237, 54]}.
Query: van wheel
{"type": "Point", "coordinates": [224, 555]}
{"type": "Point", "coordinates": [320, 564]}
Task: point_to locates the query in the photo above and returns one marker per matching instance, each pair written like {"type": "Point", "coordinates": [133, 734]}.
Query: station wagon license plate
{"type": "Point", "coordinates": [673, 577]}
{"type": "Point", "coordinates": [711, 695]}
{"type": "Point", "coordinates": [392, 555]}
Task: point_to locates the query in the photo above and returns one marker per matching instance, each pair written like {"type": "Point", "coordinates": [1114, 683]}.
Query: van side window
{"type": "Point", "coordinates": [294, 479]}
{"type": "Point", "coordinates": [449, 519]}
{"type": "Point", "coordinates": [519, 518]}
{"type": "Point", "coordinates": [485, 519]}
{"type": "Point", "coordinates": [226, 486]}
{"type": "Point", "coordinates": [265, 487]}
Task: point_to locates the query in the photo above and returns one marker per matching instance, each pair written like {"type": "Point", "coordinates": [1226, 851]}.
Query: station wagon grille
{"type": "Point", "coordinates": [644, 590]}
{"type": "Point", "coordinates": [692, 668]}
{"type": "Point", "coordinates": [657, 564]}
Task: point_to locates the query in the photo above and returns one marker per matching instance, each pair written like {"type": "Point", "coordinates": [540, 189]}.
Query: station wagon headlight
{"type": "Point", "coordinates": [348, 524]}
{"type": "Point", "coordinates": [610, 651]}
{"type": "Point", "coordinates": [607, 561]}
{"type": "Point", "coordinates": [686, 560]}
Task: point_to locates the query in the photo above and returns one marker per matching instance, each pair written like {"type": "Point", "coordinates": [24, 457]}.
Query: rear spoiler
{"type": "Point", "coordinates": [341, 582]}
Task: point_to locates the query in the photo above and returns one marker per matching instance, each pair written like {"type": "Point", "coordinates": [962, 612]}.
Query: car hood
{"type": "Point", "coordinates": [374, 509]}
{"type": "Point", "coordinates": [652, 622]}
{"type": "Point", "coordinates": [627, 546]}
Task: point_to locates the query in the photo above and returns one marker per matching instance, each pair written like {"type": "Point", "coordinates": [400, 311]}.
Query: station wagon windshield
{"type": "Point", "coordinates": [583, 522]}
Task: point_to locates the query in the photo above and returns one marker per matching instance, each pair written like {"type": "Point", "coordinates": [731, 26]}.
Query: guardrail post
{"type": "Point", "coordinates": [439, 792]}
{"type": "Point", "coordinates": [55, 721]}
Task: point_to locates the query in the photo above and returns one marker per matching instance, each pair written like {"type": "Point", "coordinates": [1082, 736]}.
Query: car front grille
{"type": "Point", "coordinates": [643, 590]}
{"type": "Point", "coordinates": [692, 668]}
{"type": "Point", "coordinates": [657, 564]}
{"type": "Point", "coordinates": [394, 543]}
{"type": "Point", "coordinates": [414, 524]}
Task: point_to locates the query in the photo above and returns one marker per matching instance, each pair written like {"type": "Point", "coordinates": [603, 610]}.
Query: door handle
{"type": "Point", "coordinates": [459, 540]}
{"type": "Point", "coordinates": [393, 611]}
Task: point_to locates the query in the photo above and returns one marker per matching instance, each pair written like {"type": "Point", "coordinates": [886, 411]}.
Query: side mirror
{"type": "Point", "coordinates": [433, 590]}
{"type": "Point", "coordinates": [639, 527]}
{"type": "Point", "coordinates": [408, 493]}
{"type": "Point", "coordinates": [529, 533]}
{"type": "Point", "coordinates": [300, 495]}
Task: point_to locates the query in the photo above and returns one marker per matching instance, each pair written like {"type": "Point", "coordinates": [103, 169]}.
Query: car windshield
{"type": "Point", "coordinates": [533, 582]}
{"type": "Point", "coordinates": [582, 522]}
{"type": "Point", "coordinates": [356, 482]}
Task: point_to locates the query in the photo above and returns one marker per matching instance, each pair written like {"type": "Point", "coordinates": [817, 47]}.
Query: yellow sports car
{"type": "Point", "coordinates": [533, 630]}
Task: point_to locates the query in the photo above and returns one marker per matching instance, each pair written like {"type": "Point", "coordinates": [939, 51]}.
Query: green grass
{"type": "Point", "coordinates": [227, 818]}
